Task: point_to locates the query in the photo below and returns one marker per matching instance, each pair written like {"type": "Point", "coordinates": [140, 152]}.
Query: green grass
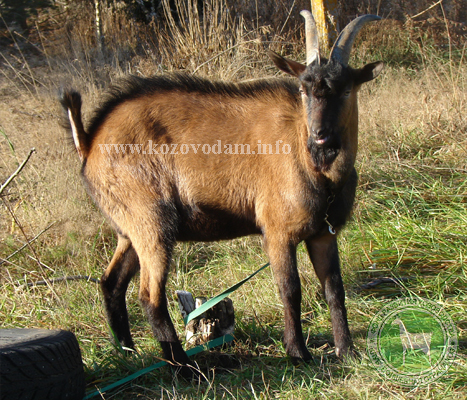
{"type": "Point", "coordinates": [410, 221]}
{"type": "Point", "coordinates": [407, 223]}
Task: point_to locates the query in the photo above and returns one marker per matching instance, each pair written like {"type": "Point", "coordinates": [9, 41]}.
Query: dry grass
{"type": "Point", "coordinates": [422, 116]}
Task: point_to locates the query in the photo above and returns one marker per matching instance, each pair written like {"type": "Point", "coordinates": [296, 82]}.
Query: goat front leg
{"type": "Point", "coordinates": [324, 255]}
{"type": "Point", "coordinates": [114, 284]}
{"type": "Point", "coordinates": [283, 261]}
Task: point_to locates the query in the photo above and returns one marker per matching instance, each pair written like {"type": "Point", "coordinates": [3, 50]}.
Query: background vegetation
{"type": "Point", "coordinates": [409, 221]}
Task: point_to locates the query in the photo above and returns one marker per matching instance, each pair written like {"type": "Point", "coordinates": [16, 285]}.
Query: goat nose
{"type": "Point", "coordinates": [320, 133]}
{"type": "Point", "coordinates": [317, 128]}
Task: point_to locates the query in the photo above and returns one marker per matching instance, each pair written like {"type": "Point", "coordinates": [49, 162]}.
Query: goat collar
{"type": "Point", "coordinates": [331, 199]}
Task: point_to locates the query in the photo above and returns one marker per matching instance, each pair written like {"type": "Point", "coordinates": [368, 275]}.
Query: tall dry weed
{"type": "Point", "coordinates": [415, 112]}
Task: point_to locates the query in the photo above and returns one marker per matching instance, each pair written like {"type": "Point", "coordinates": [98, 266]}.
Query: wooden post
{"type": "Point", "coordinates": [325, 13]}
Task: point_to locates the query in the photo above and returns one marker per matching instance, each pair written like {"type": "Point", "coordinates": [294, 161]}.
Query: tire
{"type": "Point", "coordinates": [39, 364]}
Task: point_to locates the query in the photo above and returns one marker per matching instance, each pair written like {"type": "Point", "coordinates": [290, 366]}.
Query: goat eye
{"type": "Point", "coordinates": [346, 93]}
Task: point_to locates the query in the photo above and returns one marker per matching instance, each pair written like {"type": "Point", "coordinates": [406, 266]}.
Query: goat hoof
{"type": "Point", "coordinates": [347, 353]}
{"type": "Point", "coordinates": [296, 361]}
{"type": "Point", "coordinates": [123, 351]}
{"type": "Point", "coordinates": [299, 357]}
{"type": "Point", "coordinates": [188, 372]}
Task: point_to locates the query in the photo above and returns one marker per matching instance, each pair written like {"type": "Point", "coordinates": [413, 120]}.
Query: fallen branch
{"type": "Point", "coordinates": [41, 263]}
{"type": "Point", "coordinates": [26, 244]}
{"type": "Point", "coordinates": [18, 170]}
{"type": "Point", "coordinates": [379, 281]}
{"type": "Point", "coordinates": [63, 279]}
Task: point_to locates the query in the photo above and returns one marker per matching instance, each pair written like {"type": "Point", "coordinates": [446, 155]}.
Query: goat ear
{"type": "Point", "coordinates": [288, 66]}
{"type": "Point", "coordinates": [369, 72]}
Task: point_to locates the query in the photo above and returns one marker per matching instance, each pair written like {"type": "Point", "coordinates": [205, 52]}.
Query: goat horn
{"type": "Point", "coordinates": [311, 34]}
{"type": "Point", "coordinates": [341, 49]}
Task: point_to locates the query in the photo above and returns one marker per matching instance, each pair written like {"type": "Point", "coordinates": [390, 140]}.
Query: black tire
{"type": "Point", "coordinates": [39, 364]}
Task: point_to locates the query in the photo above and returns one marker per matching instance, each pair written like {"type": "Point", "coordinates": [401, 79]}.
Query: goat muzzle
{"type": "Point", "coordinates": [321, 136]}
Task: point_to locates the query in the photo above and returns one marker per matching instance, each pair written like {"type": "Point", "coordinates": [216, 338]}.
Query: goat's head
{"type": "Point", "coordinates": [329, 91]}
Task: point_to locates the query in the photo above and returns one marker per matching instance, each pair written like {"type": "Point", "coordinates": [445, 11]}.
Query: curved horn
{"type": "Point", "coordinates": [311, 34]}
{"type": "Point", "coordinates": [341, 49]}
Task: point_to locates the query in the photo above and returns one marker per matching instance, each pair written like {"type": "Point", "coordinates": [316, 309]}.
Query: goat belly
{"type": "Point", "coordinates": [211, 224]}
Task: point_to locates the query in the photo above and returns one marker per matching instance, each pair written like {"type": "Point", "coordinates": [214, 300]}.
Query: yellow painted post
{"type": "Point", "coordinates": [325, 13]}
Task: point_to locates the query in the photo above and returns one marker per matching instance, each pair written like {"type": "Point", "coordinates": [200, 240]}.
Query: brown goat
{"type": "Point", "coordinates": [146, 165]}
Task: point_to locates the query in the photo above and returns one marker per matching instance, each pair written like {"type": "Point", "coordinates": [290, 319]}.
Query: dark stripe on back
{"type": "Point", "coordinates": [133, 87]}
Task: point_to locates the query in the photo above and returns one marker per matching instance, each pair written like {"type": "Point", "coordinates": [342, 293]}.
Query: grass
{"type": "Point", "coordinates": [409, 220]}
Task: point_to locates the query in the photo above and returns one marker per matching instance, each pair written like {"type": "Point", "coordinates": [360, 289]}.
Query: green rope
{"type": "Point", "coordinates": [212, 302]}
{"type": "Point", "coordinates": [191, 352]}
{"type": "Point", "coordinates": [195, 350]}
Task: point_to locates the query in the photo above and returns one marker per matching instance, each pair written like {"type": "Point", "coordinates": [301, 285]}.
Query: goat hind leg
{"type": "Point", "coordinates": [114, 284]}
{"type": "Point", "coordinates": [155, 261]}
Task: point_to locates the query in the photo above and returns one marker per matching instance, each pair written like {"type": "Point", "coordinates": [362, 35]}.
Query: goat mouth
{"type": "Point", "coordinates": [321, 141]}
{"type": "Point", "coordinates": [323, 150]}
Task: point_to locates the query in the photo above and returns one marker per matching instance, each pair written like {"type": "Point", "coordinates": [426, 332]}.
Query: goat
{"type": "Point", "coordinates": [413, 341]}
{"type": "Point", "coordinates": [155, 198]}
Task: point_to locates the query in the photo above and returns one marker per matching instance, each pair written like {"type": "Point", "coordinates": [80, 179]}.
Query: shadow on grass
{"type": "Point", "coordinates": [239, 370]}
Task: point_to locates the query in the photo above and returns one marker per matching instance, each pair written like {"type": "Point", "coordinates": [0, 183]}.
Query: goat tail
{"type": "Point", "coordinates": [71, 102]}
